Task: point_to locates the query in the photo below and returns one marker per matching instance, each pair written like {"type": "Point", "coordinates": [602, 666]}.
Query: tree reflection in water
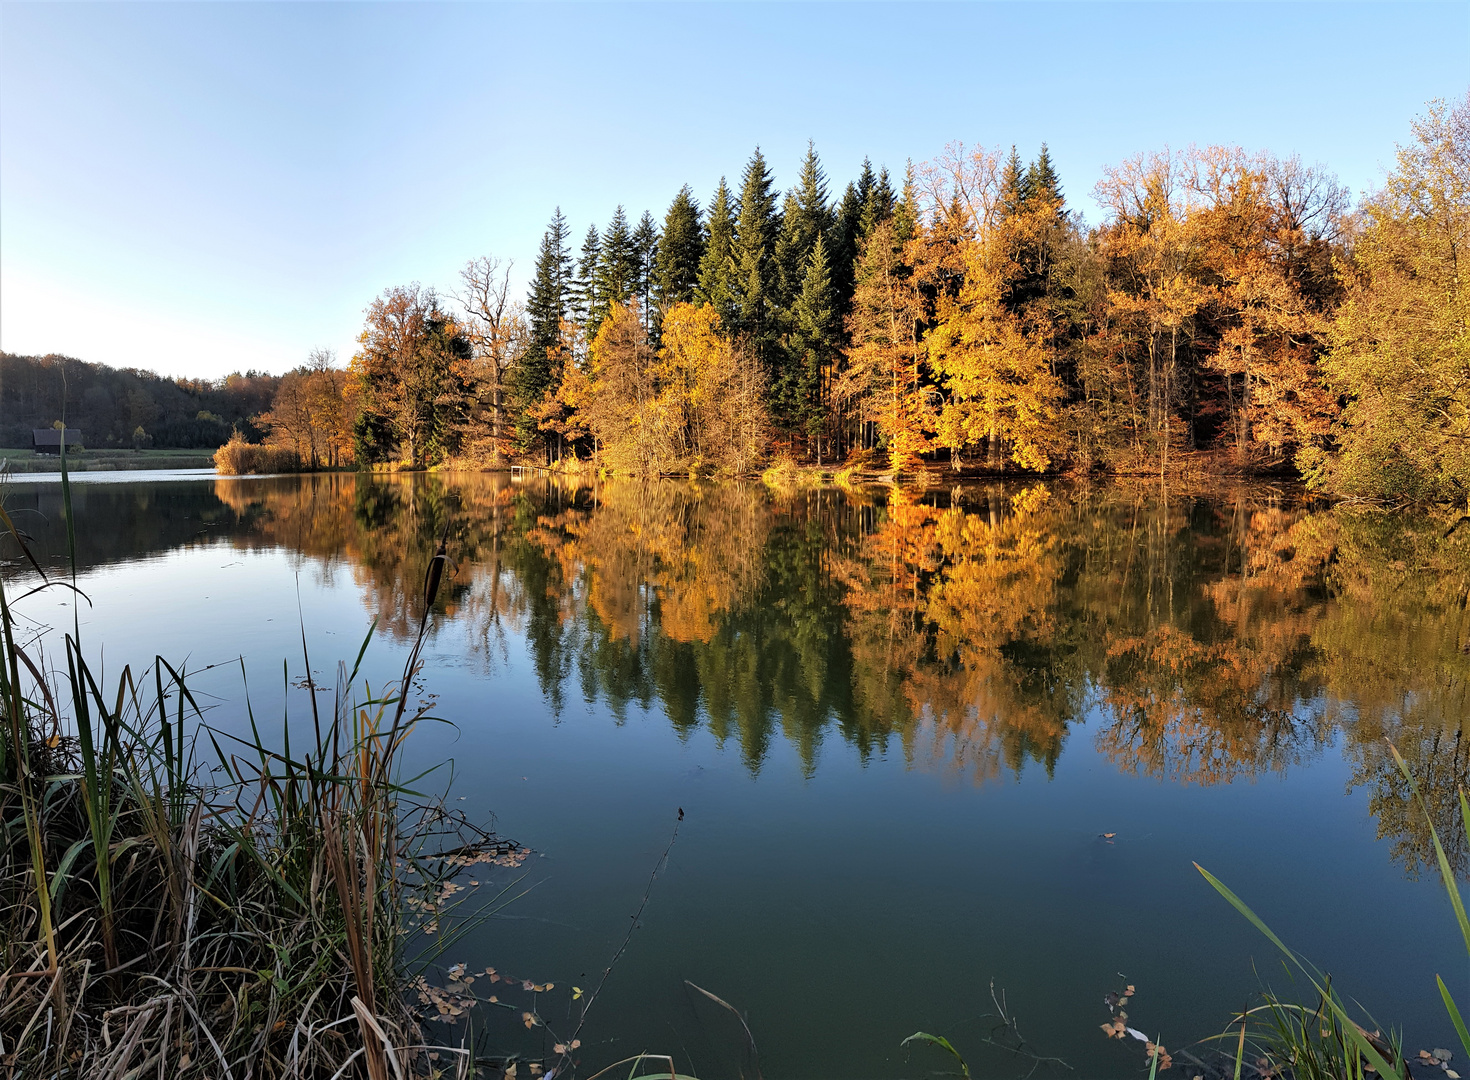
{"type": "Point", "coordinates": [1202, 637]}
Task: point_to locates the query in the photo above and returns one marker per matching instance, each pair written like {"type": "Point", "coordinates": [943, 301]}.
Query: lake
{"type": "Point", "coordinates": [924, 742]}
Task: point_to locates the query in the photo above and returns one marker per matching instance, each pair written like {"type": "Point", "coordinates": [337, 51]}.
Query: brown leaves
{"type": "Point", "coordinates": [1441, 1058]}
{"type": "Point", "coordinates": [1117, 1027]}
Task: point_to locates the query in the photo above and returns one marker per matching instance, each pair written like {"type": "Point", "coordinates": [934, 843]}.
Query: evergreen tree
{"type": "Point", "coordinates": [676, 272]}
{"type": "Point", "coordinates": [1042, 180]}
{"type": "Point", "coordinates": [1013, 186]}
{"type": "Point", "coordinates": [617, 269]}
{"type": "Point", "coordinates": [878, 202]}
{"type": "Point", "coordinates": [906, 210]}
{"type": "Point", "coordinates": [814, 341]}
{"type": "Point", "coordinates": [846, 243]}
{"type": "Point", "coordinates": [584, 287]}
{"type": "Point", "coordinates": [717, 273]}
{"type": "Point", "coordinates": [756, 231]}
{"type": "Point", "coordinates": [645, 251]}
{"type": "Point", "coordinates": [805, 219]}
{"type": "Point", "coordinates": [546, 306]}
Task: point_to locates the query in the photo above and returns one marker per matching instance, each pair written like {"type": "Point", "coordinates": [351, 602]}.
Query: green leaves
{"type": "Point", "coordinates": [941, 1042]}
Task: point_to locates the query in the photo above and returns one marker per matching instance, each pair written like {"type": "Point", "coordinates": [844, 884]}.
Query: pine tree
{"type": "Point", "coordinates": [645, 251]}
{"type": "Point", "coordinates": [814, 342]}
{"type": "Point", "coordinates": [584, 287]}
{"type": "Point", "coordinates": [878, 203]}
{"type": "Point", "coordinates": [676, 271]}
{"type": "Point", "coordinates": [1042, 180]}
{"type": "Point", "coordinates": [846, 243]}
{"type": "Point", "coordinates": [717, 272]}
{"type": "Point", "coordinates": [756, 231]}
{"type": "Point", "coordinates": [546, 306]}
{"type": "Point", "coordinates": [1013, 186]}
{"type": "Point", "coordinates": [617, 268]}
{"type": "Point", "coordinates": [805, 219]}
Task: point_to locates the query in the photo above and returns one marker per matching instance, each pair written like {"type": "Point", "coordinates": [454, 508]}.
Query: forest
{"type": "Point", "coordinates": [125, 408]}
{"type": "Point", "coordinates": [1231, 312]}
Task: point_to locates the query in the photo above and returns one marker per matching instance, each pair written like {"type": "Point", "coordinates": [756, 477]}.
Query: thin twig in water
{"type": "Point", "coordinates": [749, 1038]}
{"type": "Point", "coordinates": [592, 997]}
{"type": "Point", "coordinates": [1021, 1048]}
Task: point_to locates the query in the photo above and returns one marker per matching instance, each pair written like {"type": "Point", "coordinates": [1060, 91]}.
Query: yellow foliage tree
{"type": "Point", "coordinates": [998, 381]}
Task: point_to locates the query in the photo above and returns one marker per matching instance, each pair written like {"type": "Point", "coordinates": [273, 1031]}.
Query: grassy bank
{"type": "Point", "coordinates": [161, 917]}
{"type": "Point", "coordinates": [28, 461]}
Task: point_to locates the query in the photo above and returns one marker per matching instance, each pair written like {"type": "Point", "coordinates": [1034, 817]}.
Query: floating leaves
{"type": "Point", "coordinates": [1117, 1027]}
{"type": "Point", "coordinates": [1153, 1050]}
{"type": "Point", "coordinates": [1441, 1058]}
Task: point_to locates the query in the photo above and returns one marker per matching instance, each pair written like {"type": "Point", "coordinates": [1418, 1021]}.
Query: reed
{"type": "Point", "coordinates": [240, 458]}
{"type": "Point", "coordinates": [161, 918]}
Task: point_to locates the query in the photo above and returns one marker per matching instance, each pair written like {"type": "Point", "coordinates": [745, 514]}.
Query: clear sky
{"type": "Point", "coordinates": [200, 188]}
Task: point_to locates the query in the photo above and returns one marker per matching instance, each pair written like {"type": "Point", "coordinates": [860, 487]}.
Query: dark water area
{"type": "Point", "coordinates": [923, 740]}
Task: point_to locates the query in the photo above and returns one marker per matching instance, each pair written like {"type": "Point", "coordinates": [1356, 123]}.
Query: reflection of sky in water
{"type": "Point", "coordinates": [842, 906]}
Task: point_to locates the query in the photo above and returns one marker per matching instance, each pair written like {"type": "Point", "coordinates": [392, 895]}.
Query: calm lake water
{"type": "Point", "coordinates": [923, 740]}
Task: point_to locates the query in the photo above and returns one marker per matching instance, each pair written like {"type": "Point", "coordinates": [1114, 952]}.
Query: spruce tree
{"type": "Point", "coordinates": [584, 286]}
{"type": "Point", "coordinates": [546, 306]}
{"type": "Point", "coordinates": [814, 340]}
{"type": "Point", "coordinates": [1013, 190]}
{"type": "Point", "coordinates": [805, 218]}
{"type": "Point", "coordinates": [756, 231]}
{"type": "Point", "coordinates": [878, 202]}
{"type": "Point", "coordinates": [1042, 180]}
{"type": "Point", "coordinates": [617, 270]}
{"type": "Point", "coordinates": [717, 273]}
{"type": "Point", "coordinates": [846, 244]}
{"type": "Point", "coordinates": [676, 272]}
{"type": "Point", "coordinates": [645, 251]}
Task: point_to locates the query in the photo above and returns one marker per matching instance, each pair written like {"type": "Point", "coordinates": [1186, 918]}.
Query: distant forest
{"type": "Point", "coordinates": [126, 408]}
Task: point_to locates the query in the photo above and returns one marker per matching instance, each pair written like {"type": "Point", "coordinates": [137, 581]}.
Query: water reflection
{"type": "Point", "coordinates": [1218, 637]}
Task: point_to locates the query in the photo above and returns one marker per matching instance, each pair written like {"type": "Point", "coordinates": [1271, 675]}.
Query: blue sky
{"type": "Point", "coordinates": [199, 188]}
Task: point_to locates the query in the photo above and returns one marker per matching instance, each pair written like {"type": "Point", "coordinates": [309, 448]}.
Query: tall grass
{"type": "Point", "coordinates": [241, 458]}
{"type": "Point", "coordinates": [1324, 1040]}
{"type": "Point", "coordinates": [160, 918]}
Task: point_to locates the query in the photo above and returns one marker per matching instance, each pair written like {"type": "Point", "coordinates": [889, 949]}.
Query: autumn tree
{"type": "Point", "coordinates": [497, 332]}
{"type": "Point", "coordinates": [883, 381]}
{"type": "Point", "coordinates": [412, 369]}
{"type": "Point", "coordinates": [1153, 285]}
{"type": "Point", "coordinates": [312, 412]}
{"type": "Point", "coordinates": [1255, 219]}
{"type": "Point", "coordinates": [712, 396]}
{"type": "Point", "coordinates": [1400, 344]}
{"type": "Point", "coordinates": [620, 406]}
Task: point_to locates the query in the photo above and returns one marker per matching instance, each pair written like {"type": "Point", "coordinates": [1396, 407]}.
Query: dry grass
{"type": "Point", "coordinates": [240, 458]}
